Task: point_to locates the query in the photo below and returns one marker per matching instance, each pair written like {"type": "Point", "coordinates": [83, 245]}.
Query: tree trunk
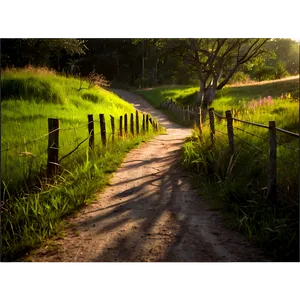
{"type": "Point", "coordinates": [201, 93]}
{"type": "Point", "coordinates": [206, 96]}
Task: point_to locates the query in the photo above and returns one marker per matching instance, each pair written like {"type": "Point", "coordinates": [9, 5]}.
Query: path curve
{"type": "Point", "coordinates": [149, 212]}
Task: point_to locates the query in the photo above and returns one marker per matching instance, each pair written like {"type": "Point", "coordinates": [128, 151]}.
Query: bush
{"type": "Point", "coordinates": [280, 71]}
{"type": "Point", "coordinates": [263, 73]}
{"type": "Point", "coordinates": [95, 79]}
{"type": "Point", "coordinates": [239, 77]}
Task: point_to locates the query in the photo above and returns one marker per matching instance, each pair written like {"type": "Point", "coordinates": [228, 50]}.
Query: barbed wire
{"type": "Point", "coordinates": [250, 133]}
{"type": "Point", "coordinates": [31, 141]}
{"type": "Point", "coordinates": [253, 154]}
{"type": "Point", "coordinates": [29, 154]}
{"type": "Point", "coordinates": [47, 134]}
{"type": "Point", "coordinates": [77, 127]}
{"type": "Point", "coordinates": [248, 143]}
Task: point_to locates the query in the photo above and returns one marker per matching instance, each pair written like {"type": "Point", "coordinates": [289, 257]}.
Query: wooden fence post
{"type": "Point", "coordinates": [112, 122]}
{"type": "Point", "coordinates": [147, 123]}
{"type": "Point", "coordinates": [144, 123]}
{"type": "Point", "coordinates": [91, 131]}
{"type": "Point", "coordinates": [121, 125]}
{"type": "Point", "coordinates": [137, 122]}
{"type": "Point", "coordinates": [131, 124]}
{"type": "Point", "coordinates": [125, 124]}
{"type": "Point", "coordinates": [230, 131]}
{"type": "Point", "coordinates": [102, 129]}
{"type": "Point", "coordinates": [212, 124]}
{"type": "Point", "coordinates": [53, 138]}
{"type": "Point", "coordinates": [272, 184]}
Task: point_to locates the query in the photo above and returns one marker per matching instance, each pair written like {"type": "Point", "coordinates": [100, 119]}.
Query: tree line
{"type": "Point", "coordinates": [209, 63]}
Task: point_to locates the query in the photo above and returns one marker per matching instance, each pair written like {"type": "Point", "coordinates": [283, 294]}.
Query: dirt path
{"type": "Point", "coordinates": [150, 213]}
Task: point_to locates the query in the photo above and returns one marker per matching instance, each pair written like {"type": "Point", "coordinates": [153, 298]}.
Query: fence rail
{"type": "Point", "coordinates": [183, 114]}
{"type": "Point", "coordinates": [272, 141]}
{"type": "Point", "coordinates": [192, 113]}
{"type": "Point", "coordinates": [52, 163]}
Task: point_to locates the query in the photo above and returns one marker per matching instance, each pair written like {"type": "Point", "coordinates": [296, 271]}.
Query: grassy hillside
{"type": "Point", "coordinates": [182, 94]}
{"type": "Point", "coordinates": [29, 98]}
{"type": "Point", "coordinates": [33, 206]}
{"type": "Point", "coordinates": [238, 185]}
{"type": "Point", "coordinates": [187, 94]}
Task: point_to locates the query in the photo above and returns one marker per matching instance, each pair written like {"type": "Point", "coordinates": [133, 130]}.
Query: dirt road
{"type": "Point", "coordinates": [150, 213]}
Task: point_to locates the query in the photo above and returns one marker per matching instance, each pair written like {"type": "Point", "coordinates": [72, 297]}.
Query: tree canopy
{"type": "Point", "coordinates": [209, 63]}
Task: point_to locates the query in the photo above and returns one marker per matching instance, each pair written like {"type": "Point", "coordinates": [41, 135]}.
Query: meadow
{"type": "Point", "coordinates": [237, 185]}
{"type": "Point", "coordinates": [33, 206]}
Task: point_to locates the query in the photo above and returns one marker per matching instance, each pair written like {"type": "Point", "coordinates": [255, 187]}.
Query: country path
{"type": "Point", "coordinates": [149, 212]}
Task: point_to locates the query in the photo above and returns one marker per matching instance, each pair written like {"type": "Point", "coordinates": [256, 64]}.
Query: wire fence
{"type": "Point", "coordinates": [21, 162]}
{"type": "Point", "coordinates": [267, 144]}
{"type": "Point", "coordinates": [188, 113]}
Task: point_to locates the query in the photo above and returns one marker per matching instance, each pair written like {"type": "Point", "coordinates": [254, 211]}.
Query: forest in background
{"type": "Point", "coordinates": [141, 62]}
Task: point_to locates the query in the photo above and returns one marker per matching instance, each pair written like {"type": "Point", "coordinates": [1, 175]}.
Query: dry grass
{"type": "Point", "coordinates": [251, 83]}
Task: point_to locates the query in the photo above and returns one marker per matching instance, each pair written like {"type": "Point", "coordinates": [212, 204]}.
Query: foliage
{"type": "Point", "coordinates": [40, 52]}
{"type": "Point", "coordinates": [34, 207]}
{"type": "Point", "coordinates": [238, 186]}
{"type": "Point", "coordinates": [151, 62]}
{"type": "Point", "coordinates": [239, 78]}
{"type": "Point", "coordinates": [95, 79]}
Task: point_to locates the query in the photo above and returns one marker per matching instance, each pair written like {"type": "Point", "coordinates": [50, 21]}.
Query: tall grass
{"type": "Point", "coordinates": [187, 95]}
{"type": "Point", "coordinates": [33, 207]}
{"type": "Point", "coordinates": [238, 185]}
{"type": "Point", "coordinates": [29, 98]}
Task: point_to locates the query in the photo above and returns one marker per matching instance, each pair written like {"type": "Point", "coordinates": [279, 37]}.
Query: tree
{"type": "Point", "coordinates": [40, 52]}
{"type": "Point", "coordinates": [216, 60]}
{"type": "Point", "coordinates": [286, 51]}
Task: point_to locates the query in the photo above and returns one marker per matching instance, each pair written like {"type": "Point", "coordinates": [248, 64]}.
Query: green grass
{"type": "Point", "coordinates": [273, 88]}
{"type": "Point", "coordinates": [186, 95]}
{"type": "Point", "coordinates": [29, 98]}
{"type": "Point", "coordinates": [34, 206]}
{"type": "Point", "coordinates": [181, 94]}
{"type": "Point", "coordinates": [238, 185]}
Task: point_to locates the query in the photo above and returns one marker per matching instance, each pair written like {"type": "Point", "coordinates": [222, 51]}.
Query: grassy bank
{"type": "Point", "coordinates": [238, 185]}
{"type": "Point", "coordinates": [33, 207]}
{"type": "Point", "coordinates": [186, 95]}
{"type": "Point", "coordinates": [181, 94]}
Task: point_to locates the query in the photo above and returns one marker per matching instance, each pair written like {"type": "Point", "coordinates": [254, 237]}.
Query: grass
{"type": "Point", "coordinates": [238, 185]}
{"type": "Point", "coordinates": [33, 207]}
{"type": "Point", "coordinates": [181, 94]}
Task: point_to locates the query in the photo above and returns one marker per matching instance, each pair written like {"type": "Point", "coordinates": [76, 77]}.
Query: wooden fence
{"type": "Point", "coordinates": [192, 113]}
{"type": "Point", "coordinates": [272, 129]}
{"type": "Point", "coordinates": [125, 122]}
{"type": "Point", "coordinates": [188, 113]}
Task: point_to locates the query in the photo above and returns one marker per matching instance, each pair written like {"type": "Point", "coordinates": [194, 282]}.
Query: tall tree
{"type": "Point", "coordinates": [216, 60]}
{"type": "Point", "coordinates": [40, 52]}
